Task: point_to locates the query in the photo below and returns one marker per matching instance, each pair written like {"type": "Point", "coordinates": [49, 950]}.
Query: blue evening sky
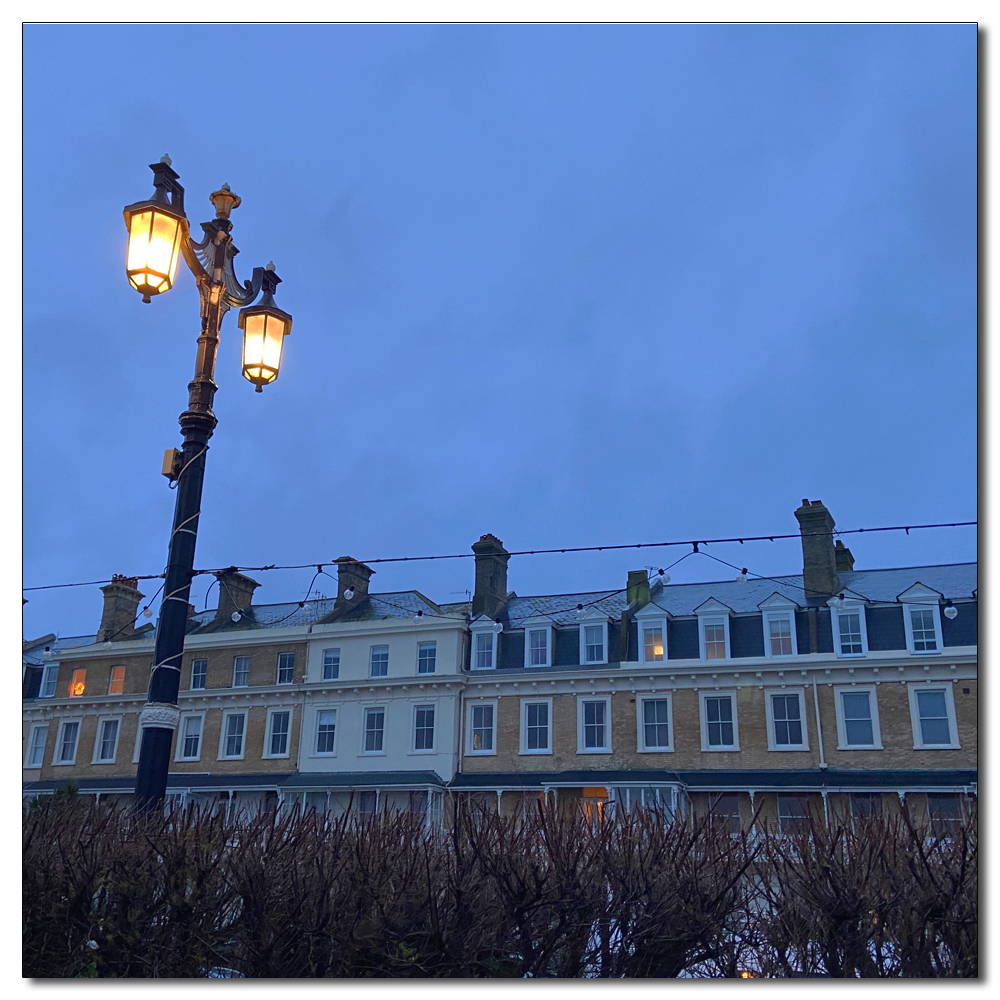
{"type": "Point", "coordinates": [571, 285]}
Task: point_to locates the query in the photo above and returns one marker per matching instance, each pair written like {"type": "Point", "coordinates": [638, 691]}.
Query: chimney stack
{"type": "Point", "coordinates": [490, 597]}
{"type": "Point", "coordinates": [637, 590]}
{"type": "Point", "coordinates": [819, 559]}
{"type": "Point", "coordinates": [121, 608]}
{"type": "Point", "coordinates": [845, 561]}
{"type": "Point", "coordinates": [235, 594]}
{"type": "Point", "coordinates": [351, 576]}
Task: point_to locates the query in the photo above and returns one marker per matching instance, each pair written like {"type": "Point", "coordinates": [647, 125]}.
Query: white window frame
{"type": "Point", "coordinates": [234, 684]}
{"type": "Point", "coordinates": [581, 700]}
{"type": "Point", "coordinates": [277, 668]}
{"type": "Point", "coordinates": [271, 712]}
{"type": "Point", "coordinates": [703, 716]}
{"type": "Point", "coordinates": [111, 680]}
{"type": "Point", "coordinates": [432, 704]}
{"type": "Point", "coordinates": [640, 713]}
{"type": "Point", "coordinates": [848, 607]}
{"type": "Point", "coordinates": [480, 703]}
{"type": "Point", "coordinates": [35, 728]}
{"type": "Point", "coordinates": [651, 621]}
{"type": "Point", "coordinates": [594, 621]}
{"type": "Point", "coordinates": [838, 691]}
{"type": "Point", "coordinates": [538, 626]}
{"type": "Point", "coordinates": [523, 747]}
{"type": "Point", "coordinates": [949, 701]}
{"type": "Point", "coordinates": [935, 609]}
{"type": "Point", "coordinates": [49, 672]}
{"type": "Point", "coordinates": [490, 634]}
{"type": "Point", "coordinates": [777, 607]}
{"type": "Point", "coordinates": [371, 659]}
{"type": "Point", "coordinates": [226, 715]}
{"type": "Point", "coordinates": [179, 749]}
{"type": "Point", "coordinates": [323, 664]}
{"type": "Point", "coordinates": [426, 642]}
{"type": "Point", "coordinates": [314, 745]}
{"type": "Point", "coordinates": [707, 614]}
{"type": "Point", "coordinates": [101, 719]}
{"type": "Point", "coordinates": [365, 709]}
{"type": "Point", "coordinates": [199, 659]}
{"type": "Point", "coordinates": [56, 762]}
{"type": "Point", "coordinates": [770, 692]}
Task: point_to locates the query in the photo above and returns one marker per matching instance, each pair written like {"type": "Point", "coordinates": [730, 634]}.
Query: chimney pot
{"type": "Point", "coordinates": [490, 597]}
{"type": "Point", "coordinates": [845, 561]}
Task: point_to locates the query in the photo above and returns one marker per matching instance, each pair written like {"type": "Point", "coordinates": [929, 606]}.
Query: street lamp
{"type": "Point", "coordinates": [158, 236]}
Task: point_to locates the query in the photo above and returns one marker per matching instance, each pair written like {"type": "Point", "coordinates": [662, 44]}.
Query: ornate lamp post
{"type": "Point", "coordinates": [158, 237]}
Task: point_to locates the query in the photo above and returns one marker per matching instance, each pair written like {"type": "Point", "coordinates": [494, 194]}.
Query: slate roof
{"type": "Point", "coordinates": [33, 654]}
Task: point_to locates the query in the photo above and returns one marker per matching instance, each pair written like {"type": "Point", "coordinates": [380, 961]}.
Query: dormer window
{"type": "Point", "coordinates": [713, 630]}
{"type": "Point", "coordinates": [652, 626]}
{"type": "Point", "coordinates": [538, 642]}
{"type": "Point", "coordinates": [922, 619]}
{"type": "Point", "coordinates": [594, 638]}
{"type": "Point", "coordinates": [778, 619]}
{"type": "Point", "coordinates": [850, 633]}
{"type": "Point", "coordinates": [484, 643]}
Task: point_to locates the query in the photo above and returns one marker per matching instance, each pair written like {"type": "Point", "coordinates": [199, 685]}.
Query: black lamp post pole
{"type": "Point", "coordinates": [211, 263]}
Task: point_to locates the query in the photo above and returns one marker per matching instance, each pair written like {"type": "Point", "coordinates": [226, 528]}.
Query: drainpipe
{"type": "Point", "coordinates": [819, 732]}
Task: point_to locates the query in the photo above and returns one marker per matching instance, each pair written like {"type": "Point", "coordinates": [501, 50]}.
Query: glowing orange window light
{"type": "Point", "coordinates": [117, 680]}
{"type": "Point", "coordinates": [78, 684]}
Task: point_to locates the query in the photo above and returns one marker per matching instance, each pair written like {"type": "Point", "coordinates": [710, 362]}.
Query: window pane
{"type": "Point", "coordinates": [652, 643]}
{"type": "Point", "coordinates": [426, 657]}
{"type": "Point", "coordinates": [109, 740]}
{"type": "Point", "coordinates": [482, 727]}
{"type": "Point", "coordinates": [715, 640]}
{"type": "Point", "coordinates": [117, 685]}
{"type": "Point", "coordinates": [792, 814]}
{"type": "Point", "coordinates": [655, 725]}
{"type": "Point", "coordinates": [594, 642]}
{"type": "Point", "coordinates": [279, 733]}
{"type": "Point", "coordinates": [780, 636]}
{"type": "Point", "coordinates": [719, 716]}
{"type": "Point", "coordinates": [49, 684]}
{"type": "Point", "coordinates": [933, 712]}
{"type": "Point", "coordinates": [286, 668]}
{"type": "Point", "coordinates": [924, 635]}
{"type": "Point", "coordinates": [199, 671]}
{"type": "Point", "coordinates": [725, 810]}
{"type": "Point", "coordinates": [78, 684]}
{"type": "Point", "coordinates": [67, 749]}
{"type": "Point", "coordinates": [484, 651]}
{"type": "Point", "coordinates": [787, 721]}
{"type": "Point", "coordinates": [234, 736]}
{"type": "Point", "coordinates": [241, 671]}
{"type": "Point", "coordinates": [37, 754]}
{"type": "Point", "coordinates": [380, 661]}
{"type": "Point", "coordinates": [594, 731]}
{"type": "Point", "coordinates": [192, 736]}
{"type": "Point", "coordinates": [538, 647]}
{"type": "Point", "coordinates": [850, 633]}
{"type": "Point", "coordinates": [865, 805]}
{"type": "Point", "coordinates": [374, 728]}
{"type": "Point", "coordinates": [537, 727]}
{"type": "Point", "coordinates": [331, 664]}
{"type": "Point", "coordinates": [945, 812]}
{"type": "Point", "coordinates": [326, 730]}
{"type": "Point", "coordinates": [424, 726]}
{"type": "Point", "coordinates": [858, 728]}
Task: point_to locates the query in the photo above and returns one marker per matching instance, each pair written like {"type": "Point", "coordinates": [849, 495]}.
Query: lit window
{"type": "Point", "coordinates": [379, 661]}
{"type": "Point", "coordinates": [656, 723]}
{"type": "Point", "coordinates": [191, 736]}
{"type": "Point", "coordinates": [482, 728]}
{"type": "Point", "coordinates": [924, 632]}
{"type": "Point", "coordinates": [117, 685]}
{"type": "Point", "coordinates": [423, 726]}
{"type": "Point", "coordinates": [374, 729]}
{"type": "Point", "coordinates": [538, 647]}
{"type": "Point", "coordinates": [779, 635]}
{"type": "Point", "coordinates": [107, 742]}
{"type": "Point", "coordinates": [326, 730]}
{"type": "Point", "coordinates": [278, 745]}
{"type": "Point", "coordinates": [67, 742]}
{"type": "Point", "coordinates": [426, 657]}
{"type": "Point", "coordinates": [286, 668]}
{"type": "Point", "coordinates": [233, 736]}
{"type": "Point", "coordinates": [36, 747]}
{"type": "Point", "coordinates": [719, 722]}
{"type": "Point", "coordinates": [78, 684]}
{"type": "Point", "coordinates": [49, 678]}
{"type": "Point", "coordinates": [241, 671]}
{"type": "Point", "coordinates": [536, 727]}
{"type": "Point", "coordinates": [652, 643]}
{"type": "Point", "coordinates": [595, 736]}
{"type": "Point", "coordinates": [331, 664]}
{"type": "Point", "coordinates": [787, 720]}
{"type": "Point", "coordinates": [484, 650]}
{"type": "Point", "coordinates": [199, 671]}
{"type": "Point", "coordinates": [793, 814]}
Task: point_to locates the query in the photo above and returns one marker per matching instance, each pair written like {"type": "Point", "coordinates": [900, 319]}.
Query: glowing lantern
{"type": "Point", "coordinates": [156, 229]}
{"type": "Point", "coordinates": [264, 327]}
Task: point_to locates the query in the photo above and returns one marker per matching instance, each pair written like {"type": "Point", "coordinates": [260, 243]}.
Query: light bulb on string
{"type": "Point", "coordinates": [741, 577]}
{"type": "Point", "coordinates": [950, 611]}
{"type": "Point", "coordinates": [349, 594]}
{"type": "Point", "coordinates": [236, 616]}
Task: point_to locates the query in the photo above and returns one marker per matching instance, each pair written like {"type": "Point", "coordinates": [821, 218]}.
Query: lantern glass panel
{"type": "Point", "coordinates": [153, 250]}
{"type": "Point", "coordinates": [263, 335]}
